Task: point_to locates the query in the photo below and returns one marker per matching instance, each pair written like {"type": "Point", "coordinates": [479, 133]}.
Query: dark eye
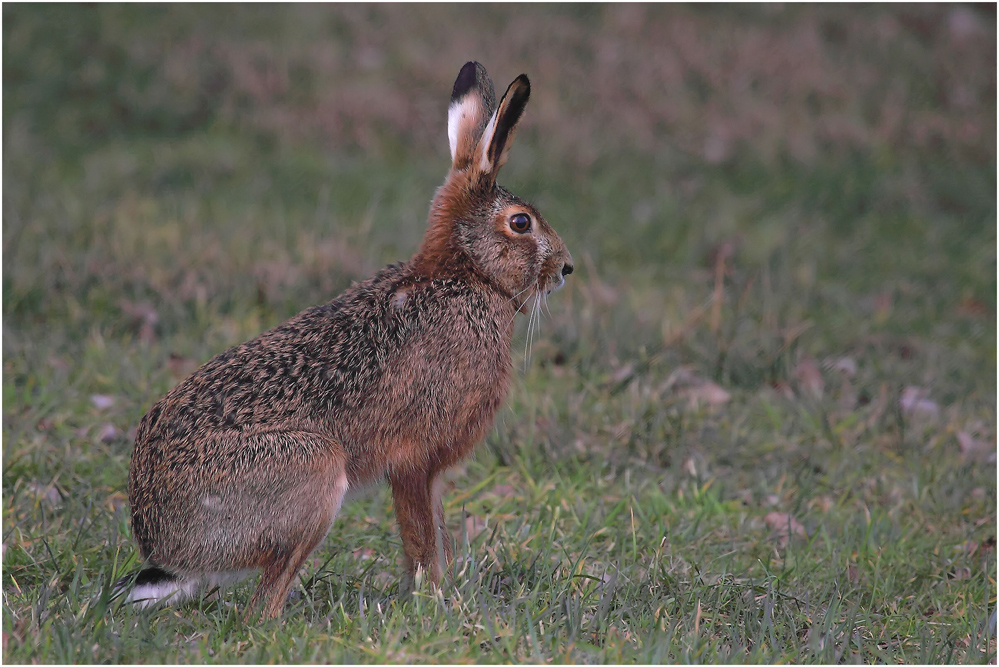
{"type": "Point", "coordinates": [520, 223]}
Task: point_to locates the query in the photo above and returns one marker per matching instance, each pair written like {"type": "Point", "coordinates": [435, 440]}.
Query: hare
{"type": "Point", "coordinates": [243, 465]}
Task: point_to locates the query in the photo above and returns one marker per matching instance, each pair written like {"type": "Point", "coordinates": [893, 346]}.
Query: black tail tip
{"type": "Point", "coordinates": [153, 575]}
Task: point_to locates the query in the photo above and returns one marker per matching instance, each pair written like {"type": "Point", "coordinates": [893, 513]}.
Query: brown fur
{"type": "Point", "coordinates": [245, 463]}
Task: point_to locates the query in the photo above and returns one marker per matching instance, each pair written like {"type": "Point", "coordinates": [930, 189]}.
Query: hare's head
{"type": "Point", "coordinates": [475, 222]}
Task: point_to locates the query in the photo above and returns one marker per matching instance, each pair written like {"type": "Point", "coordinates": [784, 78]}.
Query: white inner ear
{"type": "Point", "coordinates": [457, 115]}
{"type": "Point", "coordinates": [487, 138]}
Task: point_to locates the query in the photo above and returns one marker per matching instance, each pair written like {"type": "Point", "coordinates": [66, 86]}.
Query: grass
{"type": "Point", "coordinates": [759, 424]}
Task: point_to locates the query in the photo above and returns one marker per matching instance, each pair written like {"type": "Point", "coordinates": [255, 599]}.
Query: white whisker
{"type": "Point", "coordinates": [545, 303]}
{"type": "Point", "coordinates": [514, 297]}
{"type": "Point", "coordinates": [527, 339]}
{"type": "Point", "coordinates": [534, 324]}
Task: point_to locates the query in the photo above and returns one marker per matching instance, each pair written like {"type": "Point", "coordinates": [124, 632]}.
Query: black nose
{"type": "Point", "coordinates": [566, 269]}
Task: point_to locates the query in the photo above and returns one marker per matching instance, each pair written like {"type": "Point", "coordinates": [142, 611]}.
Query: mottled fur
{"type": "Point", "coordinates": [244, 464]}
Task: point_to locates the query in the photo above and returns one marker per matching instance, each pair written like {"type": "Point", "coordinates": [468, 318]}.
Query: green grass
{"type": "Point", "coordinates": [685, 470]}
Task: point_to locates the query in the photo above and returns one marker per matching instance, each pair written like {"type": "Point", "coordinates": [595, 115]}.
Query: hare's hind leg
{"type": "Point", "coordinates": [277, 495]}
{"type": "Point", "coordinates": [278, 577]}
{"type": "Point", "coordinates": [300, 521]}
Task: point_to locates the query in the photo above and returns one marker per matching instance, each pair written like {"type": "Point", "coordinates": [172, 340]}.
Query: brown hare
{"type": "Point", "coordinates": [244, 464]}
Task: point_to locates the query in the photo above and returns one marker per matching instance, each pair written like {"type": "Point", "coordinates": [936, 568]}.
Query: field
{"type": "Point", "coordinates": [758, 424]}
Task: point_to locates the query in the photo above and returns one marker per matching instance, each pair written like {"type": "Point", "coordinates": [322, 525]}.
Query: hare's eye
{"type": "Point", "coordinates": [520, 223]}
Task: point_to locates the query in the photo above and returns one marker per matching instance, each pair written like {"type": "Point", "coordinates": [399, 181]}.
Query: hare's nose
{"type": "Point", "coordinates": [566, 269]}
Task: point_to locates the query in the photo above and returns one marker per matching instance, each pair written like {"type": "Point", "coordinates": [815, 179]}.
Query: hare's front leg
{"type": "Point", "coordinates": [416, 510]}
{"type": "Point", "coordinates": [436, 490]}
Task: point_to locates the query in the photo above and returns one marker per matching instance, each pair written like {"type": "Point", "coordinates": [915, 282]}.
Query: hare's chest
{"type": "Point", "coordinates": [438, 397]}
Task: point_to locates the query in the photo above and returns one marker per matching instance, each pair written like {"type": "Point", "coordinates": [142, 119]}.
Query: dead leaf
{"type": "Point", "coordinates": [784, 526]}
{"type": "Point", "coordinates": [845, 365]}
{"type": "Point", "coordinates": [108, 432]}
{"type": "Point", "coordinates": [364, 553]}
{"type": "Point", "coordinates": [968, 547]}
{"type": "Point", "coordinates": [144, 316]}
{"type": "Point", "coordinates": [474, 525]}
{"type": "Point", "coordinates": [59, 364]}
{"type": "Point", "coordinates": [915, 401]}
{"type": "Point", "coordinates": [963, 24]}
{"type": "Point", "coordinates": [116, 501]}
{"type": "Point", "coordinates": [783, 388]}
{"type": "Point", "coordinates": [597, 291]}
{"type": "Point", "coordinates": [503, 491]}
{"type": "Point", "coordinates": [809, 377]}
{"type": "Point", "coordinates": [47, 492]}
{"type": "Point", "coordinates": [622, 374]}
{"type": "Point", "coordinates": [976, 449]}
{"type": "Point", "coordinates": [180, 367]}
{"type": "Point", "coordinates": [717, 148]}
{"type": "Point", "coordinates": [102, 401]}
{"type": "Point", "coordinates": [706, 392]}
{"type": "Point", "coordinates": [824, 503]}
{"type": "Point", "coordinates": [882, 306]}
{"type": "Point", "coordinates": [973, 308]}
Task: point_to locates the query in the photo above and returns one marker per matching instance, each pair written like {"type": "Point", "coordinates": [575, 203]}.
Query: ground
{"type": "Point", "coordinates": [758, 424]}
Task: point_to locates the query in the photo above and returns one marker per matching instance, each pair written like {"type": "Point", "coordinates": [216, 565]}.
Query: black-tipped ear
{"type": "Point", "coordinates": [472, 102]}
{"type": "Point", "coordinates": [498, 135]}
{"type": "Point", "coordinates": [465, 81]}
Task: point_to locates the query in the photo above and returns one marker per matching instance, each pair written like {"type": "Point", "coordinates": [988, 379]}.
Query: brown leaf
{"type": "Point", "coordinates": [474, 525]}
{"type": "Point", "coordinates": [180, 367]}
{"type": "Point", "coordinates": [364, 553]}
{"type": "Point", "coordinates": [845, 365]}
{"type": "Point", "coordinates": [809, 377]}
{"type": "Point", "coordinates": [59, 364]}
{"type": "Point", "coordinates": [783, 388]}
{"type": "Point", "coordinates": [916, 401]}
{"type": "Point", "coordinates": [108, 432]}
{"type": "Point", "coordinates": [503, 491]}
{"type": "Point", "coordinates": [47, 492]}
{"type": "Point", "coordinates": [882, 306]}
{"type": "Point", "coordinates": [116, 501]}
{"type": "Point", "coordinates": [102, 401]}
{"type": "Point", "coordinates": [973, 308]}
{"type": "Point", "coordinates": [784, 526]}
{"type": "Point", "coordinates": [142, 315]}
{"type": "Point", "coordinates": [976, 449]}
{"type": "Point", "coordinates": [824, 503]}
{"type": "Point", "coordinates": [622, 374]}
{"type": "Point", "coordinates": [706, 392]}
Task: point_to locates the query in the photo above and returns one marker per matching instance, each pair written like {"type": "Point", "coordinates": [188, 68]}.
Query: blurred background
{"type": "Point", "coordinates": [783, 219]}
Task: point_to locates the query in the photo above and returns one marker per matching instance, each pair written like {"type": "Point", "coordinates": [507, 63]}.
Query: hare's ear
{"type": "Point", "coordinates": [472, 103]}
{"type": "Point", "coordinates": [494, 147]}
